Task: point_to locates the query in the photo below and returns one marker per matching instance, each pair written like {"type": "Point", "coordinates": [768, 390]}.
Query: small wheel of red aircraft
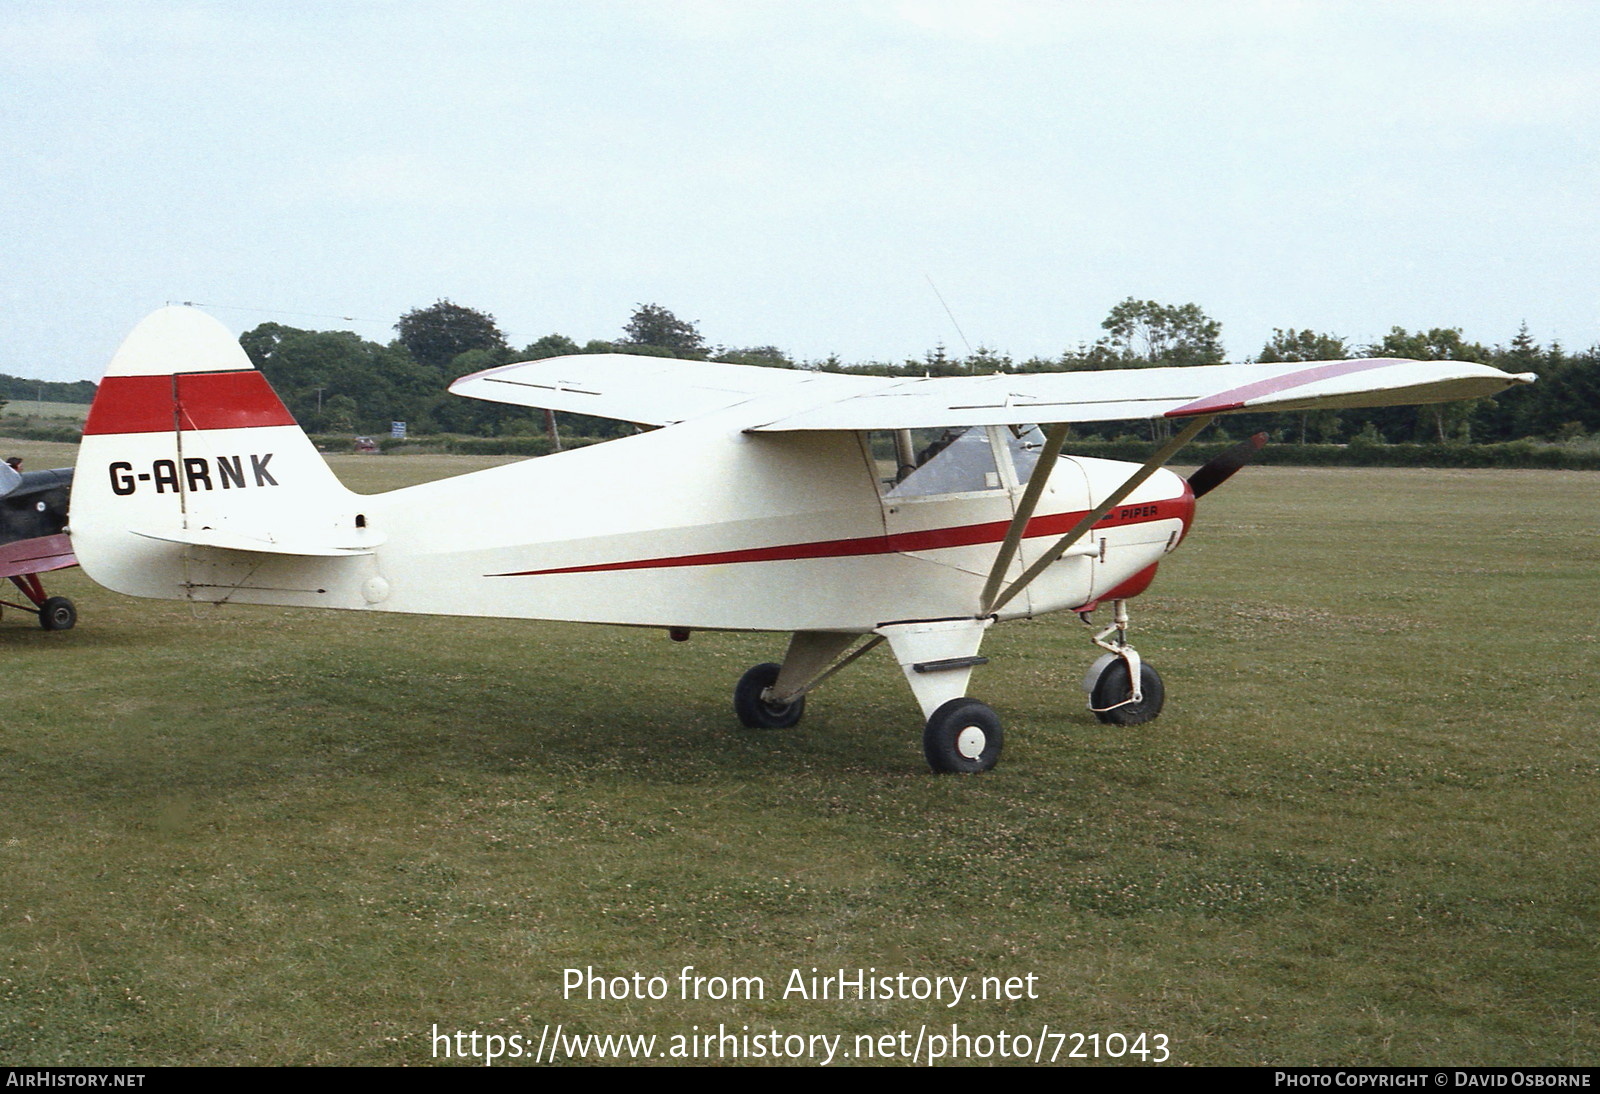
{"type": "Point", "coordinates": [58, 614]}
{"type": "Point", "coordinates": [962, 737]}
{"type": "Point", "coordinates": [753, 709]}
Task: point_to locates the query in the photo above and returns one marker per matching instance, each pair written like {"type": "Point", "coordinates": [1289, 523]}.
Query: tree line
{"type": "Point", "coordinates": [338, 382]}
{"type": "Point", "coordinates": [17, 389]}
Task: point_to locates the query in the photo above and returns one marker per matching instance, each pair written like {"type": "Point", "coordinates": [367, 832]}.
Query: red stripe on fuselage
{"type": "Point", "coordinates": [967, 535]}
{"type": "Point", "coordinates": [191, 400]}
{"type": "Point", "coordinates": [1239, 396]}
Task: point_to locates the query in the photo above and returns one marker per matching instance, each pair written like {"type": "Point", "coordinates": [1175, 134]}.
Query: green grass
{"type": "Point", "coordinates": [1363, 831]}
{"type": "Point", "coordinates": [38, 455]}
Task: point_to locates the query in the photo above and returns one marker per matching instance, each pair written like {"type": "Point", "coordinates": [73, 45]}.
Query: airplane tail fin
{"type": "Point", "coordinates": [195, 482]}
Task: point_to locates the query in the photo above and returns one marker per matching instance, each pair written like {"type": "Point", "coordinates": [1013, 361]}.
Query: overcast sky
{"type": "Point", "coordinates": [797, 173]}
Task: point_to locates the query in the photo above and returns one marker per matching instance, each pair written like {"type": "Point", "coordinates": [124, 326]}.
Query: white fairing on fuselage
{"type": "Point", "coordinates": [697, 525]}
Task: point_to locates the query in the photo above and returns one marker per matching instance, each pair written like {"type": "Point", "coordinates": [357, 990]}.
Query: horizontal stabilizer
{"type": "Point", "coordinates": [228, 539]}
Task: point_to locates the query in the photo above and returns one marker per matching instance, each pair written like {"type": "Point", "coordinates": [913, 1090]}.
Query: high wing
{"type": "Point", "coordinates": [1051, 397]}
{"type": "Point", "coordinates": [647, 390]}
{"type": "Point", "coordinates": [664, 391]}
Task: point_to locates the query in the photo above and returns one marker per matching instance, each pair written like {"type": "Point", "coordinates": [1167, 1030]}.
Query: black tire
{"type": "Point", "coordinates": [754, 711]}
{"type": "Point", "coordinates": [57, 614]}
{"type": "Point", "coordinates": [962, 737]}
{"type": "Point", "coordinates": [1112, 688]}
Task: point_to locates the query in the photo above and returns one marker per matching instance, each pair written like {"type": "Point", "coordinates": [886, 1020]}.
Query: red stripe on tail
{"type": "Point", "coordinates": [190, 400]}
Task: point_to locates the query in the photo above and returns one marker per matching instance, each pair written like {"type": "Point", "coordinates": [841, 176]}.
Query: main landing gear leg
{"type": "Point", "coordinates": [774, 696]}
{"type": "Point", "coordinates": [1123, 690]}
{"type": "Point", "coordinates": [961, 734]}
{"type": "Point", "coordinates": [56, 613]}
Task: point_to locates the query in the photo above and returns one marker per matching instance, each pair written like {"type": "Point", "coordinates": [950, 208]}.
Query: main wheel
{"type": "Point", "coordinates": [962, 736]}
{"type": "Point", "coordinates": [57, 614]}
{"type": "Point", "coordinates": [754, 711]}
{"type": "Point", "coordinates": [1113, 687]}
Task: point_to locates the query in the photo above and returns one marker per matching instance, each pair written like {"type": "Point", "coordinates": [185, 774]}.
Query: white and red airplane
{"type": "Point", "coordinates": [843, 510]}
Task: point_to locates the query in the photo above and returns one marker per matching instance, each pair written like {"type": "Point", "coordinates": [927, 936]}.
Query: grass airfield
{"type": "Point", "coordinates": [1363, 831]}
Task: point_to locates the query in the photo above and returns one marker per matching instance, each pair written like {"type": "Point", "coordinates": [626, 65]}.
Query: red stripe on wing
{"type": "Point", "coordinates": [1238, 397]}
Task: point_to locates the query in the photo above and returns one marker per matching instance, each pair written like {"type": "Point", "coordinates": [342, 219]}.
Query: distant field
{"type": "Point", "coordinates": [37, 455]}
{"type": "Point", "coordinates": [1363, 831]}
{"type": "Point", "coordinates": [29, 408]}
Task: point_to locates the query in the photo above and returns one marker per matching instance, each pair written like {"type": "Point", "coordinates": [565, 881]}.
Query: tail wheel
{"type": "Point", "coordinates": [1109, 698]}
{"type": "Point", "coordinates": [963, 736]}
{"type": "Point", "coordinates": [756, 712]}
{"type": "Point", "coordinates": [58, 614]}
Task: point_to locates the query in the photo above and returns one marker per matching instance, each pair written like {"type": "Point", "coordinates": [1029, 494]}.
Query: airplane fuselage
{"type": "Point", "coordinates": [698, 525]}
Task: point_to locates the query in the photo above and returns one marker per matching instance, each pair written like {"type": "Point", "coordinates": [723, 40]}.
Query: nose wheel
{"type": "Point", "coordinates": [1112, 696]}
{"type": "Point", "coordinates": [1123, 689]}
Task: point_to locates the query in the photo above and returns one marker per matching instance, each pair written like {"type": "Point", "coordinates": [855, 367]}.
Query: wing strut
{"type": "Point", "coordinates": [1091, 518]}
{"type": "Point", "coordinates": [808, 651]}
{"type": "Point", "coordinates": [1048, 455]}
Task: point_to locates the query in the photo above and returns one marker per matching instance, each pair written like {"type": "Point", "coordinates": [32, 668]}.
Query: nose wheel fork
{"type": "Point", "coordinates": [1123, 689]}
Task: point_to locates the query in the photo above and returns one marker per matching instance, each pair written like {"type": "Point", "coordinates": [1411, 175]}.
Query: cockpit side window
{"type": "Point", "coordinates": [928, 462]}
